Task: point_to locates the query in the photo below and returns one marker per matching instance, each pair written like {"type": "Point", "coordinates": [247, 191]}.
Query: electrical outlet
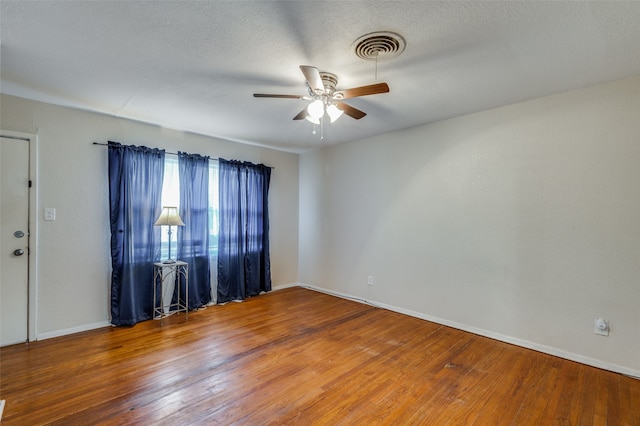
{"type": "Point", "coordinates": [602, 327]}
{"type": "Point", "coordinates": [370, 280]}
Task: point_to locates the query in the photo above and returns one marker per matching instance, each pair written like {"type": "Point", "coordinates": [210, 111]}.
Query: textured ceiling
{"type": "Point", "coordinates": [195, 65]}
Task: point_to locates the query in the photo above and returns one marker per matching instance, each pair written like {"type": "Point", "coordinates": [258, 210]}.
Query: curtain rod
{"type": "Point", "coordinates": [166, 152]}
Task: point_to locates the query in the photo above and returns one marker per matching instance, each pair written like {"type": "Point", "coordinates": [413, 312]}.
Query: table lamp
{"type": "Point", "coordinates": [169, 217]}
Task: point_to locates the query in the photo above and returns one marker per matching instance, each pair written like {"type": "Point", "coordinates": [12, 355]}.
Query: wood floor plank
{"type": "Point", "coordinates": [297, 356]}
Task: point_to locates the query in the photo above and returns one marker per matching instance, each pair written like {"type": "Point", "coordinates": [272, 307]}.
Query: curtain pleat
{"type": "Point", "coordinates": [135, 185]}
{"type": "Point", "coordinates": [244, 267]}
{"type": "Point", "coordinates": [193, 238]}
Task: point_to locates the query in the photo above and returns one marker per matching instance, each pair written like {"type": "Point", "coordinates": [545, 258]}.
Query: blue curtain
{"type": "Point", "coordinates": [135, 189]}
{"type": "Point", "coordinates": [244, 267]}
{"type": "Point", "coordinates": [193, 238]}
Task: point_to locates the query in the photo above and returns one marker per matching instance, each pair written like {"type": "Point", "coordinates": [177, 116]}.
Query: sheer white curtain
{"type": "Point", "coordinates": [170, 197]}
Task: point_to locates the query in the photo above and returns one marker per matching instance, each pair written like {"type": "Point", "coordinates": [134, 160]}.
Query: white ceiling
{"type": "Point", "coordinates": [194, 65]}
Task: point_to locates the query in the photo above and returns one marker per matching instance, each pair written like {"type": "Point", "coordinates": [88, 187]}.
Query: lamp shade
{"type": "Point", "coordinates": [169, 216]}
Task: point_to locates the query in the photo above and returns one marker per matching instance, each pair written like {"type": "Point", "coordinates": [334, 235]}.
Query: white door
{"type": "Point", "coordinates": [14, 240]}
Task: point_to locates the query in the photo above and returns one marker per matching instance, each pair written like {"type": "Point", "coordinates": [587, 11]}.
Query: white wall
{"type": "Point", "coordinates": [520, 223]}
{"type": "Point", "coordinates": [74, 265]}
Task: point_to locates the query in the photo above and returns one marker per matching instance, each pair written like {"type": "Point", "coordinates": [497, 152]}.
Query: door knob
{"type": "Point", "coordinates": [18, 252]}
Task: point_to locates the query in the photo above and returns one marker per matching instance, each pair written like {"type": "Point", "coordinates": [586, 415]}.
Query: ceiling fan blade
{"type": "Point", "coordinates": [313, 78]}
{"type": "Point", "coordinates": [350, 111]}
{"type": "Point", "coordinates": [372, 89]}
{"type": "Point", "coordinates": [301, 115]}
{"type": "Point", "coordinates": [264, 95]}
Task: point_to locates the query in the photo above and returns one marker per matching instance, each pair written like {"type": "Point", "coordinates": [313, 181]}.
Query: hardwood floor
{"type": "Point", "coordinates": [297, 356]}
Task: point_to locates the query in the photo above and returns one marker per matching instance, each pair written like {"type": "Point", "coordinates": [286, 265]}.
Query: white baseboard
{"type": "Point", "coordinates": [283, 286]}
{"type": "Point", "coordinates": [490, 334]}
{"type": "Point", "coordinates": [464, 327]}
{"type": "Point", "coordinates": [72, 330]}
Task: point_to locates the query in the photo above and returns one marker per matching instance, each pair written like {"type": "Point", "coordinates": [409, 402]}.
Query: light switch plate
{"type": "Point", "coordinates": [49, 213]}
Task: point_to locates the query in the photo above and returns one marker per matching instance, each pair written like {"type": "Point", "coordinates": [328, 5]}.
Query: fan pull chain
{"type": "Point", "coordinates": [314, 129]}
{"type": "Point", "coordinates": [322, 128]}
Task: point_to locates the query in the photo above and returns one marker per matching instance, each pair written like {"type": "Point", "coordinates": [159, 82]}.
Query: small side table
{"type": "Point", "coordinates": [161, 272]}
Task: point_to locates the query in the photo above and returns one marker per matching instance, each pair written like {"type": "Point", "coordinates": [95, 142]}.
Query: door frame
{"type": "Point", "coordinates": [32, 284]}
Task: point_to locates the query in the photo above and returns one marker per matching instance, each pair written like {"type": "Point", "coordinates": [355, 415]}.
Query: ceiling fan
{"type": "Point", "coordinates": [325, 98]}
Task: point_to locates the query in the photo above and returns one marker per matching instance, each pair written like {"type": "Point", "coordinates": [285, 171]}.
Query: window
{"type": "Point", "coordinates": [171, 197]}
{"type": "Point", "coordinates": [214, 210]}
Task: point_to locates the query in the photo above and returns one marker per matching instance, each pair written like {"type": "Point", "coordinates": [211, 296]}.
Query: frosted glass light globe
{"type": "Point", "coordinates": [334, 112]}
{"type": "Point", "coordinates": [316, 109]}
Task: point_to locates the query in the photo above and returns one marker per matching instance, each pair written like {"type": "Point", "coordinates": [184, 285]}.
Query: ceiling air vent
{"type": "Point", "coordinates": [379, 46]}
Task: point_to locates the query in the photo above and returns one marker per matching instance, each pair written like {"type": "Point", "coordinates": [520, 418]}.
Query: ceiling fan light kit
{"type": "Point", "coordinates": [325, 99]}
{"type": "Point", "coordinates": [321, 86]}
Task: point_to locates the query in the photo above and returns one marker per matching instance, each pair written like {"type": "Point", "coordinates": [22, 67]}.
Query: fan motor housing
{"type": "Point", "coordinates": [330, 81]}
